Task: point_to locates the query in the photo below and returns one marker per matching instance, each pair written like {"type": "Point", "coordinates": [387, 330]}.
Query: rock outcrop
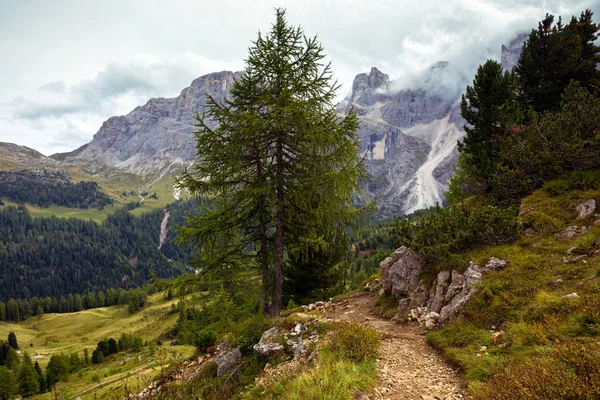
{"type": "Point", "coordinates": [228, 358]}
{"type": "Point", "coordinates": [586, 208]}
{"type": "Point", "coordinates": [430, 303]}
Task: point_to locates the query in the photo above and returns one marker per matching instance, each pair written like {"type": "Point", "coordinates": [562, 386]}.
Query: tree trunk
{"type": "Point", "coordinates": [263, 251]}
{"type": "Point", "coordinates": [279, 235]}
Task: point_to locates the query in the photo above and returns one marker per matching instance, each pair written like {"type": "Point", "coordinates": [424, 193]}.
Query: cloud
{"type": "Point", "coordinates": [88, 70]}
{"type": "Point", "coordinates": [116, 86]}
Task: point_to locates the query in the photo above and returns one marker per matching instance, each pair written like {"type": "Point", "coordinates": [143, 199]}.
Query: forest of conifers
{"type": "Point", "coordinates": [57, 256]}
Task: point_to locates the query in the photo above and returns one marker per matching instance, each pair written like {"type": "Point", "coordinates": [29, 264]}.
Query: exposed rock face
{"type": "Point", "coordinates": [227, 359]}
{"type": "Point", "coordinates": [267, 346]}
{"type": "Point", "coordinates": [512, 51]}
{"type": "Point", "coordinates": [157, 136]}
{"type": "Point", "coordinates": [400, 272]}
{"type": "Point", "coordinates": [434, 303]}
{"type": "Point", "coordinates": [586, 209]}
{"type": "Point", "coordinates": [408, 138]}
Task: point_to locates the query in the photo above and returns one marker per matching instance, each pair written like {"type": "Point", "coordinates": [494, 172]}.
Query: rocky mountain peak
{"type": "Point", "coordinates": [369, 88]}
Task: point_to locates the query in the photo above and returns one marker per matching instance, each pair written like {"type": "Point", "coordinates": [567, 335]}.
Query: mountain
{"type": "Point", "coordinates": [408, 138]}
{"type": "Point", "coordinates": [155, 138]}
{"type": "Point", "coordinates": [512, 51]}
{"type": "Point", "coordinates": [13, 156]}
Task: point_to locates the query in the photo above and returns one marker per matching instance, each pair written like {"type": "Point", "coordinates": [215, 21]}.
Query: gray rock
{"type": "Point", "coordinates": [570, 296]}
{"type": "Point", "coordinates": [401, 278]}
{"type": "Point", "coordinates": [430, 321]}
{"type": "Point", "coordinates": [442, 300]}
{"type": "Point", "coordinates": [571, 232]}
{"type": "Point", "coordinates": [227, 359]}
{"type": "Point", "coordinates": [586, 209]}
{"type": "Point", "coordinates": [267, 346]}
{"type": "Point", "coordinates": [436, 303]}
{"type": "Point", "coordinates": [495, 264]}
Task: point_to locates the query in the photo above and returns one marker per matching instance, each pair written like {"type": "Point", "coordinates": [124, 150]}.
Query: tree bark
{"type": "Point", "coordinates": [279, 234]}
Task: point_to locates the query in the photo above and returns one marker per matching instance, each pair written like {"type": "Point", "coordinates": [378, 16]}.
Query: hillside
{"type": "Point", "coordinates": [55, 334]}
{"type": "Point", "coordinates": [49, 256]}
{"type": "Point", "coordinates": [542, 309]}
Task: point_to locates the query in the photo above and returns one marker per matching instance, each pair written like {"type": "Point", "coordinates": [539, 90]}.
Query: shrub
{"type": "Point", "coordinates": [456, 229]}
{"type": "Point", "coordinates": [580, 180]}
{"type": "Point", "coordinates": [542, 223]}
{"type": "Point", "coordinates": [204, 340]}
{"type": "Point", "coordinates": [354, 342]}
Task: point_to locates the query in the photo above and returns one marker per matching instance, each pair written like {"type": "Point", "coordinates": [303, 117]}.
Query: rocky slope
{"type": "Point", "coordinates": [154, 138]}
{"type": "Point", "coordinates": [408, 138]}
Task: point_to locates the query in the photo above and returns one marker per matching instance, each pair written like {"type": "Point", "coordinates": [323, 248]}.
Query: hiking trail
{"type": "Point", "coordinates": [408, 368]}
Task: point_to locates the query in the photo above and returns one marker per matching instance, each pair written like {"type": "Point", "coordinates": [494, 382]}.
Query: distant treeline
{"type": "Point", "coordinates": [27, 187]}
{"type": "Point", "coordinates": [53, 257]}
{"type": "Point", "coordinates": [21, 309]}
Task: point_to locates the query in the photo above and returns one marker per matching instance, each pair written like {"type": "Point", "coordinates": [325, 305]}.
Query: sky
{"type": "Point", "coordinates": [68, 65]}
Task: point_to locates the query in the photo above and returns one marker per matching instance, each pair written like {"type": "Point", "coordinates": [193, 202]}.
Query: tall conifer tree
{"type": "Point", "coordinates": [280, 159]}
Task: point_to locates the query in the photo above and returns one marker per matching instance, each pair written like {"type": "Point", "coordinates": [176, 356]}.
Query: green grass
{"type": "Point", "coordinates": [113, 183]}
{"type": "Point", "coordinates": [332, 378]}
{"type": "Point", "coordinates": [67, 333]}
{"type": "Point", "coordinates": [525, 300]}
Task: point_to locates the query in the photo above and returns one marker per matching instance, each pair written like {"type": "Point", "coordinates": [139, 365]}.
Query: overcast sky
{"type": "Point", "coordinates": [68, 65]}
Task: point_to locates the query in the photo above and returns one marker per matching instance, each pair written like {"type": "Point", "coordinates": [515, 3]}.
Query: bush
{"type": "Point", "coordinates": [204, 340]}
{"type": "Point", "coordinates": [456, 229]}
{"type": "Point", "coordinates": [541, 223]}
{"type": "Point", "coordinates": [354, 342]}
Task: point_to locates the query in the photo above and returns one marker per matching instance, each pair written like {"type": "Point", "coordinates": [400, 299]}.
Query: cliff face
{"type": "Point", "coordinates": [409, 140]}
{"type": "Point", "coordinates": [156, 137]}
{"type": "Point", "coordinates": [512, 51]}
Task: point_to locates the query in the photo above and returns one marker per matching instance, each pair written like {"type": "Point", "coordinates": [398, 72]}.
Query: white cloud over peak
{"type": "Point", "coordinates": [69, 65]}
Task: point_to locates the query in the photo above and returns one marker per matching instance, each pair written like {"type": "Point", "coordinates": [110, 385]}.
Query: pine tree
{"type": "Point", "coordinates": [8, 384]}
{"type": "Point", "coordinates": [97, 356]}
{"type": "Point", "coordinates": [28, 378]}
{"type": "Point", "coordinates": [554, 55]}
{"type": "Point", "coordinates": [490, 109]}
{"type": "Point", "coordinates": [279, 159]}
{"type": "Point", "coordinates": [12, 310]}
{"type": "Point", "coordinates": [41, 377]}
{"type": "Point", "coordinates": [12, 340]}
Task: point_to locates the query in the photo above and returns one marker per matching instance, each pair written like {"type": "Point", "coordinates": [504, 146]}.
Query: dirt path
{"type": "Point", "coordinates": [408, 368]}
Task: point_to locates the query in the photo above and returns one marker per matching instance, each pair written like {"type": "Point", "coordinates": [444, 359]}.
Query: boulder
{"type": "Point", "coordinates": [266, 346]}
{"type": "Point", "coordinates": [227, 359]}
{"type": "Point", "coordinates": [586, 209]}
{"type": "Point", "coordinates": [495, 264]}
{"type": "Point", "coordinates": [400, 272]}
{"type": "Point", "coordinates": [430, 321]}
